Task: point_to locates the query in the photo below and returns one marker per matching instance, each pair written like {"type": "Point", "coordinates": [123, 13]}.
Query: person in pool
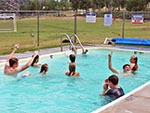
{"type": "Point", "coordinates": [111, 87]}
{"type": "Point", "coordinates": [35, 61]}
{"type": "Point", "coordinates": [72, 67]}
{"type": "Point", "coordinates": [11, 67]}
{"type": "Point", "coordinates": [126, 67]}
{"type": "Point", "coordinates": [134, 63]}
{"type": "Point", "coordinates": [44, 69]}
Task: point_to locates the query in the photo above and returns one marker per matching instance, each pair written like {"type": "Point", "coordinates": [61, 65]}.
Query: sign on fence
{"type": "Point", "coordinates": [107, 19]}
{"type": "Point", "coordinates": [137, 19]}
{"type": "Point", "coordinates": [91, 18]}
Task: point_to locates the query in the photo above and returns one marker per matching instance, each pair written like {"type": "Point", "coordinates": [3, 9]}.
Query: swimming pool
{"type": "Point", "coordinates": [57, 93]}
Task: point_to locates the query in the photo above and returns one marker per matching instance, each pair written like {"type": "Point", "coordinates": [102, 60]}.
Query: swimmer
{"type": "Point", "coordinates": [44, 69]}
{"type": "Point", "coordinates": [12, 64]}
{"type": "Point", "coordinates": [51, 56]}
{"type": "Point", "coordinates": [72, 67]}
{"type": "Point", "coordinates": [111, 87]}
{"type": "Point", "coordinates": [133, 63]}
{"type": "Point", "coordinates": [35, 61]}
{"type": "Point", "coordinates": [84, 52]}
{"type": "Point", "coordinates": [126, 67]}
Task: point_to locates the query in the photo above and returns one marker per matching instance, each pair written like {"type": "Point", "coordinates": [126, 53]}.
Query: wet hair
{"type": "Point", "coordinates": [13, 61]}
{"type": "Point", "coordinates": [44, 68]}
{"type": "Point", "coordinates": [72, 58]}
{"type": "Point", "coordinates": [114, 79]}
{"type": "Point", "coordinates": [136, 65]}
{"type": "Point", "coordinates": [125, 65]}
{"type": "Point", "coordinates": [34, 60]}
{"type": "Point", "coordinates": [72, 69]}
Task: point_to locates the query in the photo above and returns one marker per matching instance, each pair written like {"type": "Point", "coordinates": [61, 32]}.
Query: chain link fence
{"type": "Point", "coordinates": [42, 29]}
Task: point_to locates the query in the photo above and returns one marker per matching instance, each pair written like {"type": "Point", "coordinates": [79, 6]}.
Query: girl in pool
{"type": "Point", "coordinates": [72, 67]}
{"type": "Point", "coordinates": [44, 69]}
{"type": "Point", "coordinates": [133, 63]}
{"type": "Point", "coordinates": [35, 61]}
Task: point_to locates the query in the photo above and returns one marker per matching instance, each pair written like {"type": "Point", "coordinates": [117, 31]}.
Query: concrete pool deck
{"type": "Point", "coordinates": [138, 102]}
{"type": "Point", "coordinates": [65, 48]}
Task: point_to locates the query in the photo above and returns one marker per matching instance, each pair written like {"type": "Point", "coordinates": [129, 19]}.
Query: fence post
{"type": "Point", "coordinates": [75, 24]}
{"type": "Point", "coordinates": [38, 29]}
{"type": "Point", "coordinates": [123, 22]}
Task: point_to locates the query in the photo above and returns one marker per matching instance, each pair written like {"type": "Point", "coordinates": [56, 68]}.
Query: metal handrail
{"type": "Point", "coordinates": [66, 35]}
{"type": "Point", "coordinates": [75, 36]}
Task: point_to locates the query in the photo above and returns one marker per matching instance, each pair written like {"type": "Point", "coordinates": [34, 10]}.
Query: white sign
{"type": "Point", "coordinates": [91, 18]}
{"type": "Point", "coordinates": [137, 19]}
{"type": "Point", "coordinates": [107, 19]}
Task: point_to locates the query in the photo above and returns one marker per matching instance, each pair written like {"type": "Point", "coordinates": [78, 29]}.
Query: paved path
{"type": "Point", "coordinates": [29, 54]}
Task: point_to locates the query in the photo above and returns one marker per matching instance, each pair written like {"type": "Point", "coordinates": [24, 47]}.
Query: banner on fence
{"type": "Point", "coordinates": [107, 19]}
{"type": "Point", "coordinates": [91, 18]}
{"type": "Point", "coordinates": [137, 19]}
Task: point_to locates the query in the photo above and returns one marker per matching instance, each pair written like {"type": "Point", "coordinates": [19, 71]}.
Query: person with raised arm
{"type": "Point", "coordinates": [35, 61]}
{"type": "Point", "coordinates": [126, 67]}
{"type": "Point", "coordinates": [11, 67]}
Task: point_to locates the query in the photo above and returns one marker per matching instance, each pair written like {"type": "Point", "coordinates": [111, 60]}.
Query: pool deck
{"type": "Point", "coordinates": [138, 102]}
{"type": "Point", "coordinates": [134, 102]}
{"type": "Point", "coordinates": [65, 48]}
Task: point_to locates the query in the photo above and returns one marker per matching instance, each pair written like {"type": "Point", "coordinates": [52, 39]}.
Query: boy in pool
{"type": "Point", "coordinates": [115, 91]}
{"type": "Point", "coordinates": [11, 67]}
{"type": "Point", "coordinates": [126, 67]}
{"type": "Point", "coordinates": [72, 67]}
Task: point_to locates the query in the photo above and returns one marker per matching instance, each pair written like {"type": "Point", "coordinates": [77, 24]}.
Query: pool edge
{"type": "Point", "coordinates": [128, 95]}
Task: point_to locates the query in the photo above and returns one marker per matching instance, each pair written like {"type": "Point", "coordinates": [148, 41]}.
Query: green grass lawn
{"type": "Point", "coordinates": [52, 27]}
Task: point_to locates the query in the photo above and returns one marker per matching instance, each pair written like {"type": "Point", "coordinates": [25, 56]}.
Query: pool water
{"type": "Point", "coordinates": [57, 93]}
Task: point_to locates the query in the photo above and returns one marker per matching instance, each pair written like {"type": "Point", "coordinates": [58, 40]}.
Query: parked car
{"type": "Point", "coordinates": [6, 16]}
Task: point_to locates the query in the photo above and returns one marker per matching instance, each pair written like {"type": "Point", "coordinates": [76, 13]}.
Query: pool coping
{"type": "Point", "coordinates": [113, 107]}
{"type": "Point", "coordinates": [54, 51]}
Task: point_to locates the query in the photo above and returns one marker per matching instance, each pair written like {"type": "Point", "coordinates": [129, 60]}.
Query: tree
{"type": "Point", "coordinates": [136, 5]}
{"type": "Point", "coordinates": [85, 4]}
{"type": "Point", "coordinates": [64, 5]}
{"type": "Point", "coordinates": [75, 4]}
{"type": "Point", "coordinates": [98, 4]}
{"type": "Point", "coordinates": [9, 4]}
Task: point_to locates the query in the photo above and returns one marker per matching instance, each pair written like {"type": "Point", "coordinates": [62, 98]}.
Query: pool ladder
{"type": "Point", "coordinates": [71, 41]}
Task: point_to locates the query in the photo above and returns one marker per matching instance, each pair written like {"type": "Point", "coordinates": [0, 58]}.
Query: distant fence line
{"type": "Point", "coordinates": [43, 28]}
{"type": "Point", "coordinates": [117, 14]}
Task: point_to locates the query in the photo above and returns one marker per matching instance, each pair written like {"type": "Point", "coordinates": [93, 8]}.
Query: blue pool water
{"type": "Point", "coordinates": [57, 93]}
